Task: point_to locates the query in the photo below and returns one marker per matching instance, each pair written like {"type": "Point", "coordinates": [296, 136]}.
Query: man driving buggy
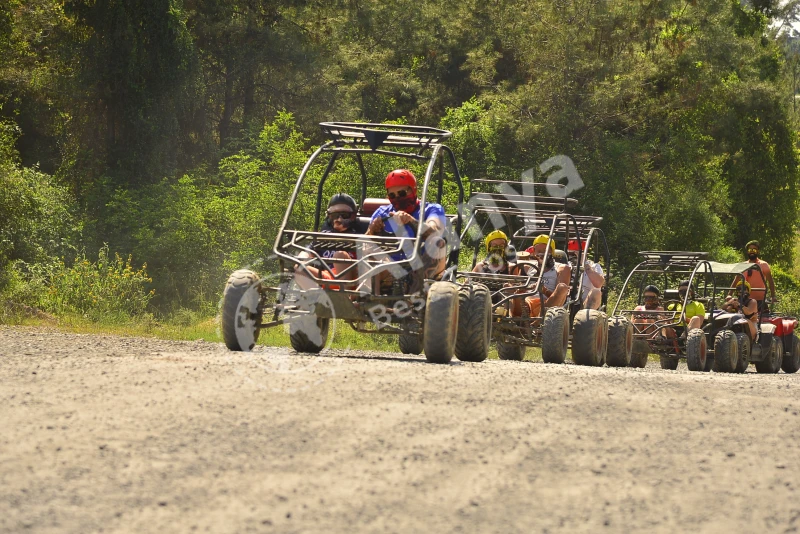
{"type": "Point", "coordinates": [555, 276]}
{"type": "Point", "coordinates": [695, 311]}
{"type": "Point", "coordinates": [402, 218]}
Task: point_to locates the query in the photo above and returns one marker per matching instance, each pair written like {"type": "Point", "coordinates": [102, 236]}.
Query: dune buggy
{"type": "Point", "coordinates": [419, 305]}
{"type": "Point", "coordinates": [662, 331]}
{"type": "Point", "coordinates": [524, 210]}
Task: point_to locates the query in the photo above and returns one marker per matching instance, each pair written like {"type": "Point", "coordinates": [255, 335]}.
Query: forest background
{"type": "Point", "coordinates": [147, 147]}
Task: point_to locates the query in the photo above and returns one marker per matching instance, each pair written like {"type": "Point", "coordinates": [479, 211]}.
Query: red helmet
{"type": "Point", "coordinates": [401, 177]}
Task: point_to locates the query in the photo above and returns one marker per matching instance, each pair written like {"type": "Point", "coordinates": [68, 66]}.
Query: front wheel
{"type": "Point", "coordinates": [441, 322]}
{"type": "Point", "coordinates": [241, 317]}
{"type": "Point", "coordinates": [743, 340]}
{"type": "Point", "coordinates": [726, 352]}
{"type": "Point", "coordinates": [589, 337]}
{"type": "Point", "coordinates": [697, 350]}
{"type": "Point", "coordinates": [474, 323]}
{"type": "Point", "coordinates": [620, 342]}
{"type": "Point", "coordinates": [555, 335]}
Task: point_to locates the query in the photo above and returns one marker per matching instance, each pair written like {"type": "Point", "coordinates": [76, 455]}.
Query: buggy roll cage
{"type": "Point", "coordinates": [359, 139]}
{"type": "Point", "coordinates": [539, 215]}
{"type": "Point", "coordinates": [665, 264]}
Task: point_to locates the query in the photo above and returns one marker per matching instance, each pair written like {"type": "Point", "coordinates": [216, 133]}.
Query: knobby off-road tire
{"type": "Point", "coordinates": [743, 340]}
{"type": "Point", "coordinates": [309, 333]}
{"type": "Point", "coordinates": [620, 342]}
{"type": "Point", "coordinates": [791, 359]}
{"type": "Point", "coordinates": [589, 337]}
{"type": "Point", "coordinates": [240, 316]}
{"type": "Point", "coordinates": [697, 350]}
{"type": "Point", "coordinates": [555, 335]}
{"type": "Point", "coordinates": [669, 364]}
{"type": "Point", "coordinates": [510, 351]}
{"type": "Point", "coordinates": [772, 364]}
{"type": "Point", "coordinates": [726, 352]}
{"type": "Point", "coordinates": [441, 322]}
{"type": "Point", "coordinates": [410, 343]}
{"type": "Point", "coordinates": [474, 323]}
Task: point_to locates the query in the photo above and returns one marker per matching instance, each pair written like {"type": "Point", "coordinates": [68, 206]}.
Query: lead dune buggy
{"type": "Point", "coordinates": [421, 306]}
{"type": "Point", "coordinates": [523, 208]}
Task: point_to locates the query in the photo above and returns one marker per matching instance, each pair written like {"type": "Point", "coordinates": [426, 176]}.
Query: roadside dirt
{"type": "Point", "coordinates": [123, 434]}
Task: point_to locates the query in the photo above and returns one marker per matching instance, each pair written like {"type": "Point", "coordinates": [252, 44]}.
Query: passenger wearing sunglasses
{"type": "Point", "coordinates": [758, 281]}
{"type": "Point", "coordinates": [340, 218]}
{"type": "Point", "coordinates": [651, 297]}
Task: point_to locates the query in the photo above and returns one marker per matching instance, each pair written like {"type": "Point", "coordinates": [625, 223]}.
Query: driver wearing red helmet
{"type": "Point", "coordinates": [402, 217]}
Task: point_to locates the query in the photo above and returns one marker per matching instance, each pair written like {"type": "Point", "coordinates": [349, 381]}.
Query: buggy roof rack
{"type": "Point", "coordinates": [376, 135]}
{"type": "Point", "coordinates": [662, 257]}
{"type": "Point", "coordinates": [565, 227]}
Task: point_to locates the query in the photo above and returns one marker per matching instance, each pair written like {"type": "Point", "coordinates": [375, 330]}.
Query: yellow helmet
{"type": "Point", "coordinates": [544, 238]}
{"type": "Point", "coordinates": [746, 285]}
{"type": "Point", "coordinates": [495, 234]}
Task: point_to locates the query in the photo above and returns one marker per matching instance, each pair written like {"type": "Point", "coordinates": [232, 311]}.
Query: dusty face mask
{"type": "Point", "coordinates": [407, 203]}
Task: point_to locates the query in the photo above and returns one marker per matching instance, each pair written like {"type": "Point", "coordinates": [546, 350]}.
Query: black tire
{"type": "Point", "coordinates": [743, 340]}
{"type": "Point", "coordinates": [410, 343]}
{"type": "Point", "coordinates": [240, 316]}
{"type": "Point", "coordinates": [441, 322]}
{"type": "Point", "coordinates": [791, 358]}
{"type": "Point", "coordinates": [309, 333]}
{"type": "Point", "coordinates": [474, 323]}
{"type": "Point", "coordinates": [555, 335]}
{"type": "Point", "coordinates": [589, 337]}
{"type": "Point", "coordinates": [772, 364]}
{"type": "Point", "coordinates": [726, 352]}
{"type": "Point", "coordinates": [510, 351]}
{"type": "Point", "coordinates": [668, 363]}
{"type": "Point", "coordinates": [697, 350]}
{"type": "Point", "coordinates": [620, 342]}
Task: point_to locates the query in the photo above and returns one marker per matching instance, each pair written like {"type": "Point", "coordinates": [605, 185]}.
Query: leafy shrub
{"type": "Point", "coordinates": [106, 290]}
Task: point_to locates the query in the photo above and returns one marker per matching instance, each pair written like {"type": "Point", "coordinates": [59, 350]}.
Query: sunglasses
{"type": "Point", "coordinates": [749, 250]}
{"type": "Point", "coordinates": [400, 194]}
{"type": "Point", "coordinates": [650, 297]}
{"type": "Point", "coordinates": [340, 215]}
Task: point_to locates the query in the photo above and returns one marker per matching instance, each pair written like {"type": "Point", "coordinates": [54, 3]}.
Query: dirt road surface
{"type": "Point", "coordinates": [120, 434]}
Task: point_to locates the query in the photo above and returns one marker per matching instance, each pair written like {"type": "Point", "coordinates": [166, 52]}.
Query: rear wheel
{"type": "Point", "coordinates": [772, 364]}
{"type": "Point", "coordinates": [441, 322]}
{"type": "Point", "coordinates": [240, 315]}
{"type": "Point", "coordinates": [697, 350]}
{"type": "Point", "coordinates": [309, 333]}
{"type": "Point", "coordinates": [555, 335]}
{"type": "Point", "coordinates": [410, 343]}
{"type": "Point", "coordinates": [791, 359]}
{"type": "Point", "coordinates": [589, 337]}
{"type": "Point", "coordinates": [474, 323]}
{"type": "Point", "coordinates": [620, 342]}
{"type": "Point", "coordinates": [726, 352]}
{"type": "Point", "coordinates": [510, 351]}
{"type": "Point", "coordinates": [668, 363]}
{"type": "Point", "coordinates": [743, 340]}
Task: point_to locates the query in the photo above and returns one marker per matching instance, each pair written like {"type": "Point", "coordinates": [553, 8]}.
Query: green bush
{"type": "Point", "coordinates": [108, 290]}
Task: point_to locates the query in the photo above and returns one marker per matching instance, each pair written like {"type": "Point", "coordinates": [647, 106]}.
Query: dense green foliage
{"type": "Point", "coordinates": [173, 130]}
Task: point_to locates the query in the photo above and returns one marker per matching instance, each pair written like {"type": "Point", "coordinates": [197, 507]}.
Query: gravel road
{"type": "Point", "coordinates": [115, 434]}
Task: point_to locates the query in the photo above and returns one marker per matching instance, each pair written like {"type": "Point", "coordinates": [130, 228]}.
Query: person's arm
{"type": "Point", "coordinates": [478, 267]}
{"type": "Point", "coordinates": [375, 224]}
{"type": "Point", "coordinates": [595, 273]}
{"type": "Point", "coordinates": [767, 272]}
{"type": "Point", "coordinates": [564, 273]}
